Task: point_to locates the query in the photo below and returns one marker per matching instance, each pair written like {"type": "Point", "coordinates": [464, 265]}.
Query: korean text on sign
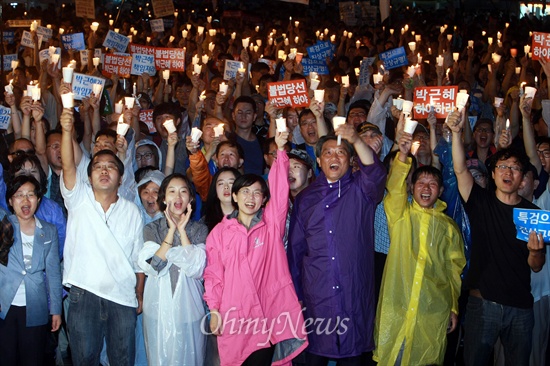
{"type": "Point", "coordinates": [321, 50]}
{"type": "Point", "coordinates": [394, 58]}
{"type": "Point", "coordinates": [541, 46]}
{"type": "Point", "coordinates": [5, 117]}
{"type": "Point", "coordinates": [170, 59]}
{"type": "Point", "coordinates": [82, 84]}
{"type": "Point", "coordinates": [146, 116]}
{"type": "Point", "coordinates": [318, 66]}
{"type": "Point", "coordinates": [73, 41]}
{"type": "Point", "coordinates": [117, 64]}
{"type": "Point", "coordinates": [141, 49]}
{"type": "Point", "coordinates": [143, 63]}
{"type": "Point", "coordinates": [439, 98]}
{"type": "Point", "coordinates": [116, 41]}
{"type": "Point", "coordinates": [288, 93]}
{"type": "Point", "coordinates": [527, 220]}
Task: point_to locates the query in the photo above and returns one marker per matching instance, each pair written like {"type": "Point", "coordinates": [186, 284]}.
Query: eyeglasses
{"type": "Point", "coordinates": [309, 122]}
{"type": "Point", "coordinates": [545, 153]}
{"type": "Point", "coordinates": [357, 114]}
{"type": "Point", "coordinates": [514, 168]}
{"type": "Point", "coordinates": [55, 146]}
{"type": "Point", "coordinates": [28, 195]}
{"type": "Point", "coordinates": [247, 193]}
{"type": "Point", "coordinates": [145, 156]}
{"type": "Point", "coordinates": [19, 153]}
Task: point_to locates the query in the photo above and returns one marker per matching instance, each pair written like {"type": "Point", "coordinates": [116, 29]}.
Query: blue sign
{"type": "Point", "coordinates": [7, 61]}
{"type": "Point", "coordinates": [527, 220]}
{"type": "Point", "coordinates": [73, 41]}
{"type": "Point", "coordinates": [9, 36]}
{"type": "Point", "coordinates": [318, 66]}
{"type": "Point", "coordinates": [116, 41]}
{"type": "Point", "coordinates": [321, 50]}
{"type": "Point", "coordinates": [394, 58]}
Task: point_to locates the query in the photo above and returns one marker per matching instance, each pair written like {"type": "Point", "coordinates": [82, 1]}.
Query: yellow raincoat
{"type": "Point", "coordinates": [421, 282]}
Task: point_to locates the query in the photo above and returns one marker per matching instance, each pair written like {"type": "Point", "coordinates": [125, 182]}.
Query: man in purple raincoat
{"type": "Point", "coordinates": [331, 249]}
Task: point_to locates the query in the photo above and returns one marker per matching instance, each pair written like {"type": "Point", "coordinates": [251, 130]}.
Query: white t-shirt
{"type": "Point", "coordinates": [27, 242]}
{"type": "Point", "coordinates": [101, 248]}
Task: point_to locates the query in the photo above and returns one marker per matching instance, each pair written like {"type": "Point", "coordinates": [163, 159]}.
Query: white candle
{"type": "Point", "coordinates": [391, 31]}
{"type": "Point", "coordinates": [418, 38]}
{"type": "Point", "coordinates": [197, 69]}
{"type": "Point", "coordinates": [449, 37]}
{"type": "Point", "coordinates": [490, 40]}
{"type": "Point", "coordinates": [377, 78]}
{"type": "Point", "coordinates": [218, 130]}
{"type": "Point", "coordinates": [518, 70]}
{"type": "Point", "coordinates": [233, 35]}
{"type": "Point", "coordinates": [134, 89]}
{"type": "Point", "coordinates": [200, 30]}
{"type": "Point", "coordinates": [205, 59]}
{"type": "Point", "coordinates": [281, 124]}
{"type": "Point", "coordinates": [195, 134]}
{"type": "Point", "coordinates": [296, 23]}
{"type": "Point", "coordinates": [68, 74]}
{"type": "Point", "coordinates": [68, 100]}
{"type": "Point", "coordinates": [111, 22]}
{"type": "Point", "coordinates": [195, 59]}
{"type": "Point", "coordinates": [14, 64]}
{"type": "Point", "coordinates": [345, 81]}
{"type": "Point", "coordinates": [212, 32]}
{"type": "Point", "coordinates": [246, 42]}
{"type": "Point", "coordinates": [209, 19]}
{"type": "Point", "coordinates": [471, 44]}
{"type": "Point", "coordinates": [94, 26]}
{"type": "Point", "coordinates": [223, 88]}
{"type": "Point", "coordinates": [412, 46]}
{"type": "Point", "coordinates": [338, 121]}
{"type": "Point", "coordinates": [61, 30]}
{"type": "Point", "coordinates": [257, 29]}
{"type": "Point", "coordinates": [34, 25]}
{"type": "Point", "coordinates": [455, 56]}
{"type": "Point", "coordinates": [526, 49]}
{"type": "Point", "coordinates": [170, 127]}
{"type": "Point", "coordinates": [35, 93]}
{"type": "Point", "coordinates": [332, 38]}
{"type": "Point", "coordinates": [166, 75]}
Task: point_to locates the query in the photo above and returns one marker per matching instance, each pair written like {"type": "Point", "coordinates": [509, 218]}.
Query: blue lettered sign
{"type": "Point", "coordinates": [394, 58]}
{"type": "Point", "coordinates": [527, 220]}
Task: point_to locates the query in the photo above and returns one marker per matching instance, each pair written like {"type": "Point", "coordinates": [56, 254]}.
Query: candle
{"type": "Point", "coordinates": [526, 49]}
{"type": "Point", "coordinates": [286, 42]}
{"type": "Point", "coordinates": [345, 81]}
{"type": "Point", "coordinates": [95, 61]}
{"type": "Point", "coordinates": [195, 134]}
{"type": "Point", "coordinates": [245, 42]}
{"type": "Point", "coordinates": [202, 96]}
{"type": "Point", "coordinates": [200, 30]}
{"type": "Point", "coordinates": [129, 102]}
{"type": "Point", "coordinates": [212, 32]}
{"type": "Point", "coordinates": [377, 78]}
{"type": "Point", "coordinates": [439, 60]}
{"type": "Point", "coordinates": [171, 128]}
{"type": "Point", "coordinates": [317, 34]}
{"type": "Point", "coordinates": [419, 58]}
{"type": "Point", "coordinates": [68, 100]}
{"type": "Point", "coordinates": [9, 87]}
{"type": "Point", "coordinates": [296, 39]}
{"type": "Point", "coordinates": [55, 58]}
{"type": "Point", "coordinates": [171, 39]}
{"type": "Point", "coordinates": [449, 37]}
{"type": "Point", "coordinates": [270, 41]}
{"type": "Point", "coordinates": [205, 59]}
{"type": "Point", "coordinates": [211, 46]}
{"type": "Point", "coordinates": [188, 26]}
{"type": "Point", "coordinates": [218, 130]}
{"type": "Point", "coordinates": [209, 19]}
{"type": "Point", "coordinates": [483, 33]}
{"type": "Point", "coordinates": [197, 69]}
{"type": "Point", "coordinates": [499, 35]}
{"type": "Point", "coordinates": [183, 33]}
{"type": "Point", "coordinates": [518, 70]}
{"type": "Point", "coordinates": [223, 88]}
{"type": "Point", "coordinates": [418, 38]}
{"type": "Point", "coordinates": [507, 124]}
{"type": "Point", "coordinates": [350, 35]}
{"type": "Point", "coordinates": [134, 89]}
{"type": "Point", "coordinates": [34, 25]}
{"type": "Point", "coordinates": [281, 54]}
{"type": "Point", "coordinates": [412, 46]}
{"type": "Point", "coordinates": [391, 31]}
{"type": "Point", "coordinates": [338, 121]}
{"type": "Point", "coordinates": [195, 59]}
{"type": "Point", "coordinates": [111, 22]}
{"type": "Point", "coordinates": [326, 31]}
{"type": "Point", "coordinates": [455, 56]}
{"type": "Point", "coordinates": [281, 124]}
{"type": "Point", "coordinates": [148, 39]}
{"type": "Point", "coordinates": [49, 26]}
{"type": "Point", "coordinates": [61, 30]}
{"type": "Point", "coordinates": [96, 89]}
{"type": "Point", "coordinates": [94, 26]}
{"type": "Point", "coordinates": [166, 75]}
{"type": "Point", "coordinates": [257, 29]}
{"type": "Point", "coordinates": [175, 14]}
{"type": "Point", "coordinates": [490, 40]}
{"type": "Point", "coordinates": [68, 74]}
{"type": "Point", "coordinates": [496, 57]}
{"type": "Point", "coordinates": [357, 71]}
{"type": "Point", "coordinates": [35, 93]}
{"type": "Point", "coordinates": [471, 44]}
{"type": "Point", "coordinates": [296, 23]}
{"type": "Point", "coordinates": [332, 38]}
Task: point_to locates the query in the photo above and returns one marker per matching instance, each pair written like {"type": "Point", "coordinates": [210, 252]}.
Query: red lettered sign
{"type": "Point", "coordinates": [540, 46]}
{"type": "Point", "coordinates": [288, 93]}
{"type": "Point", "coordinates": [170, 59]}
{"type": "Point", "coordinates": [117, 64]}
{"type": "Point", "coordinates": [440, 98]}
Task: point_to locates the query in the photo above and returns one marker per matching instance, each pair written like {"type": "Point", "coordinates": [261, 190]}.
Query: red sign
{"type": "Point", "coordinates": [541, 46]}
{"type": "Point", "coordinates": [288, 93]}
{"type": "Point", "coordinates": [141, 49]}
{"type": "Point", "coordinates": [120, 65]}
{"type": "Point", "coordinates": [146, 116]}
{"type": "Point", "coordinates": [440, 98]}
{"type": "Point", "coordinates": [170, 59]}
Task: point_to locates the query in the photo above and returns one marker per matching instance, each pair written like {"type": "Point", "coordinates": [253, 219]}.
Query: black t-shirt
{"type": "Point", "coordinates": [498, 262]}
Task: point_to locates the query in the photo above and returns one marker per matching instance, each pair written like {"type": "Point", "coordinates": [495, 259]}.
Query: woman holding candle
{"type": "Point", "coordinates": [247, 280]}
{"type": "Point", "coordinates": [30, 279]}
{"type": "Point", "coordinates": [174, 258]}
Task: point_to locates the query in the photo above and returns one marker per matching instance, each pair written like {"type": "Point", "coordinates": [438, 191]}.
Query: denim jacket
{"type": "Point", "coordinates": [45, 259]}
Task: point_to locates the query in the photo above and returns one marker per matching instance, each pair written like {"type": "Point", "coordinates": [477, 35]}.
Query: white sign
{"type": "Point", "coordinates": [231, 68]}
{"type": "Point", "coordinates": [84, 55]}
{"type": "Point", "coordinates": [157, 25]}
{"type": "Point", "coordinates": [143, 63]}
{"type": "Point", "coordinates": [163, 8]}
{"type": "Point", "coordinates": [5, 117]}
{"type": "Point", "coordinates": [82, 85]}
{"type": "Point", "coordinates": [46, 33]}
{"type": "Point", "coordinates": [116, 41]}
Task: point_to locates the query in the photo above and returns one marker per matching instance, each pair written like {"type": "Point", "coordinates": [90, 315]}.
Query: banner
{"type": "Point", "coordinates": [82, 85]}
{"type": "Point", "coordinates": [170, 59]}
{"type": "Point", "coordinates": [118, 64]}
{"type": "Point", "coordinates": [394, 58]}
{"type": "Point", "coordinates": [25, 23]}
{"type": "Point", "coordinates": [288, 93]}
{"type": "Point", "coordinates": [231, 68]}
{"type": "Point", "coordinates": [146, 116]}
{"type": "Point", "coordinates": [163, 8]}
{"type": "Point", "coordinates": [73, 41]}
{"type": "Point", "coordinates": [347, 13]}
{"type": "Point", "coordinates": [440, 98]}
{"type": "Point", "coordinates": [320, 67]}
{"type": "Point", "coordinates": [116, 41]}
{"type": "Point", "coordinates": [5, 117]}
{"type": "Point", "coordinates": [540, 46]}
{"type": "Point", "coordinates": [85, 9]}
{"type": "Point", "coordinates": [141, 49]}
{"type": "Point", "coordinates": [157, 25]}
{"type": "Point", "coordinates": [321, 50]}
{"type": "Point", "coordinates": [527, 220]}
{"type": "Point", "coordinates": [143, 63]}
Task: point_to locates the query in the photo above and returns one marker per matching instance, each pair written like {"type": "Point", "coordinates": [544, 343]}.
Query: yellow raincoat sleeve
{"type": "Point", "coordinates": [395, 202]}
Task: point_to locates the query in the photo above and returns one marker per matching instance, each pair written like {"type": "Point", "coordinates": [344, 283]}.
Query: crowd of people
{"type": "Point", "coordinates": [231, 230]}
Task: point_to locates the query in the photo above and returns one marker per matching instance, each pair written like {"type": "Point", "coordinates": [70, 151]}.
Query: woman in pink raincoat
{"type": "Point", "coordinates": [248, 288]}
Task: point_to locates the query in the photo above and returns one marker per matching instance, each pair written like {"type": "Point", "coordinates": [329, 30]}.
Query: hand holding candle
{"type": "Point", "coordinates": [338, 121]}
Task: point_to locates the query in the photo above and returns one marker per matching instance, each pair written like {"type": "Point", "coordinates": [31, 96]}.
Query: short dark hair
{"type": "Point", "coordinates": [106, 132]}
{"type": "Point", "coordinates": [323, 139]}
{"type": "Point", "coordinates": [305, 112]}
{"type": "Point", "coordinates": [167, 108]}
{"type": "Point", "coordinates": [18, 163]}
{"type": "Point", "coordinates": [230, 143]}
{"type": "Point", "coordinates": [17, 183]}
{"type": "Point", "coordinates": [506, 154]}
{"type": "Point", "coordinates": [245, 99]}
{"type": "Point", "coordinates": [164, 186]}
{"type": "Point", "coordinates": [246, 180]}
{"type": "Point", "coordinates": [119, 164]}
{"type": "Point", "coordinates": [428, 170]}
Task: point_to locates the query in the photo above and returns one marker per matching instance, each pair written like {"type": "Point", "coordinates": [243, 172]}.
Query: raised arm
{"type": "Point", "coordinates": [463, 176]}
{"type": "Point", "coordinates": [67, 152]}
{"type": "Point", "coordinates": [529, 133]}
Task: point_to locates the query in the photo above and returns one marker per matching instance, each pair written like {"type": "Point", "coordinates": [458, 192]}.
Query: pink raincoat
{"type": "Point", "coordinates": [248, 281]}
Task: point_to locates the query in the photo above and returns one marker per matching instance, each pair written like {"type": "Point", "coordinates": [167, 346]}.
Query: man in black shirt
{"type": "Point", "coordinates": [500, 302]}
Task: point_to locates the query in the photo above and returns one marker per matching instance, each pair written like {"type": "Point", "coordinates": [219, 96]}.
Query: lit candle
{"type": "Point", "coordinates": [212, 32]}
{"type": "Point", "coordinates": [166, 75]}
{"type": "Point", "coordinates": [449, 37]}
{"type": "Point", "coordinates": [345, 81]}
{"type": "Point", "coordinates": [455, 56]}
{"type": "Point", "coordinates": [483, 33]}
{"type": "Point", "coordinates": [257, 29]}
{"type": "Point", "coordinates": [338, 121]}
{"type": "Point", "coordinates": [350, 34]}
{"type": "Point", "coordinates": [134, 89]}
{"type": "Point", "coordinates": [94, 26]}
{"type": "Point", "coordinates": [95, 61]}
{"type": "Point", "coordinates": [471, 44]}
{"type": "Point", "coordinates": [412, 46]}
{"type": "Point", "coordinates": [358, 44]}
{"type": "Point", "coordinates": [205, 59]}
{"type": "Point", "coordinates": [245, 42]}
{"type": "Point", "coordinates": [333, 38]}
{"type": "Point", "coordinates": [111, 22]}
{"type": "Point", "coordinates": [61, 30]}
{"type": "Point", "coordinates": [197, 69]}
{"type": "Point", "coordinates": [218, 130]}
{"type": "Point", "coordinates": [281, 124]}
{"type": "Point", "coordinates": [326, 31]}
{"type": "Point", "coordinates": [296, 23]}
{"type": "Point", "coordinates": [391, 31]}
{"type": "Point", "coordinates": [209, 19]}
{"type": "Point", "coordinates": [518, 70]}
{"type": "Point", "coordinates": [34, 25]}
{"type": "Point", "coordinates": [296, 39]}
{"type": "Point", "coordinates": [200, 30]}
{"type": "Point", "coordinates": [526, 49]}
{"type": "Point", "coordinates": [195, 59]}
{"type": "Point", "coordinates": [490, 40]}
{"type": "Point", "coordinates": [377, 78]}
{"type": "Point", "coordinates": [223, 88]}
{"type": "Point", "coordinates": [183, 33]}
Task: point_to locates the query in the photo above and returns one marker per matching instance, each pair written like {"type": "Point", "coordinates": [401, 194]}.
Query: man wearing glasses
{"type": "Point", "coordinates": [499, 280]}
{"type": "Point", "coordinates": [312, 127]}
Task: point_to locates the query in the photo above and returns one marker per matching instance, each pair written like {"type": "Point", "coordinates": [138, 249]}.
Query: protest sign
{"type": "Point", "coordinates": [540, 46]}
{"type": "Point", "coordinates": [116, 41]}
{"type": "Point", "coordinates": [118, 64]}
{"type": "Point", "coordinates": [321, 50]}
{"type": "Point", "coordinates": [141, 49]}
{"type": "Point", "coordinates": [45, 54]}
{"type": "Point", "coordinates": [272, 65]}
{"type": "Point", "coordinates": [143, 63]}
{"type": "Point", "coordinates": [23, 23]}
{"type": "Point", "coordinates": [146, 116]}
{"type": "Point", "coordinates": [364, 71]}
{"type": "Point", "coordinates": [7, 61]}
{"type": "Point", "coordinates": [394, 58]}
{"type": "Point", "coordinates": [157, 25]}
{"type": "Point", "coordinates": [82, 85]}
{"type": "Point", "coordinates": [85, 9]}
{"type": "Point", "coordinates": [163, 8]}
{"type": "Point", "coordinates": [231, 69]}
{"type": "Point", "coordinates": [170, 59]}
{"type": "Point", "coordinates": [5, 117]}
{"type": "Point", "coordinates": [527, 220]}
{"type": "Point", "coordinates": [9, 36]}
{"type": "Point", "coordinates": [288, 93]}
{"type": "Point", "coordinates": [73, 41]}
{"type": "Point", "coordinates": [46, 33]}
{"type": "Point", "coordinates": [439, 98]}
{"type": "Point", "coordinates": [318, 66]}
